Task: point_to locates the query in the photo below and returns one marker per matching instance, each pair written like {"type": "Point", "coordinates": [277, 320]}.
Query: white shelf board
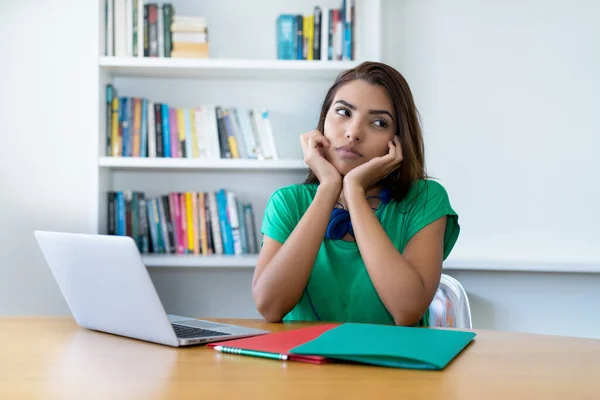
{"type": "Point", "coordinates": [521, 266]}
{"type": "Point", "coordinates": [199, 163]}
{"type": "Point", "coordinates": [249, 261]}
{"type": "Point", "coordinates": [223, 68]}
{"type": "Point", "coordinates": [199, 261]}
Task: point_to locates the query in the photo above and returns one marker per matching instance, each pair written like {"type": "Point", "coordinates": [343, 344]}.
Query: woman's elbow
{"type": "Point", "coordinates": [269, 314]}
{"type": "Point", "coordinates": [272, 318]}
{"type": "Point", "coordinates": [407, 318]}
{"type": "Point", "coordinates": [266, 307]}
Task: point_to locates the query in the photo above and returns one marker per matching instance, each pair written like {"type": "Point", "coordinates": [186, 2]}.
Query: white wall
{"type": "Point", "coordinates": [508, 93]}
{"type": "Point", "coordinates": [47, 56]}
{"type": "Point", "coordinates": [560, 304]}
{"type": "Point", "coordinates": [49, 94]}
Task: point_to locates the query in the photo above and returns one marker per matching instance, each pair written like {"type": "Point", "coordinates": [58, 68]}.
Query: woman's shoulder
{"type": "Point", "coordinates": [424, 191]}
{"type": "Point", "coordinates": [426, 187]}
{"type": "Point", "coordinates": [285, 208]}
{"type": "Point", "coordinates": [296, 189]}
{"type": "Point", "coordinates": [430, 201]}
{"type": "Point", "coordinates": [299, 193]}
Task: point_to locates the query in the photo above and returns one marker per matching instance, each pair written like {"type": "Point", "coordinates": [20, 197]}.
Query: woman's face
{"type": "Point", "coordinates": [359, 124]}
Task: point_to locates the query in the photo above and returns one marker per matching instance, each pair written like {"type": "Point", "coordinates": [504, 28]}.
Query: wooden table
{"type": "Point", "coordinates": [53, 358]}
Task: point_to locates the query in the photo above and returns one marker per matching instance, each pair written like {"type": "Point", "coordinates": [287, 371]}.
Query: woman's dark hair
{"type": "Point", "coordinates": [408, 127]}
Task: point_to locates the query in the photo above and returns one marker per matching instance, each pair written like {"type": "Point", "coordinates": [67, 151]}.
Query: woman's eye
{"type": "Point", "coordinates": [343, 111]}
{"type": "Point", "coordinates": [382, 123]}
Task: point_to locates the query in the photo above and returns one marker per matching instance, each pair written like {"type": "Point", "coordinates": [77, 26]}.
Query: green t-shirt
{"type": "Point", "coordinates": [339, 286]}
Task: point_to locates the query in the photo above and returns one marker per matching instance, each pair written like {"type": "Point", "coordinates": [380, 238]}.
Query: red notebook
{"type": "Point", "coordinates": [281, 342]}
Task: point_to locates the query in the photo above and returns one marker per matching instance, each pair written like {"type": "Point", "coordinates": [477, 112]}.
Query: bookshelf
{"type": "Point", "coordinates": [249, 261]}
{"type": "Point", "coordinates": [192, 261]}
{"type": "Point", "coordinates": [242, 71]}
{"type": "Point", "coordinates": [139, 163]}
{"type": "Point", "coordinates": [225, 69]}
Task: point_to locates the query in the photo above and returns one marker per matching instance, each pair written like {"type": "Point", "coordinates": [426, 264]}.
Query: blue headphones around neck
{"type": "Point", "coordinates": [339, 222]}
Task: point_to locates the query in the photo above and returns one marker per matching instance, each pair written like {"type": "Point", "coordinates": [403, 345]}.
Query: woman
{"type": "Point", "coordinates": [363, 239]}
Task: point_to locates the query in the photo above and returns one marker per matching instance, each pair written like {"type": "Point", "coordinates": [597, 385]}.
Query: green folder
{"type": "Point", "coordinates": [390, 346]}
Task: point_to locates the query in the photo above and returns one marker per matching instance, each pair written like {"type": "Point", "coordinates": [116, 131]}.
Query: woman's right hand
{"type": "Point", "coordinates": [314, 144]}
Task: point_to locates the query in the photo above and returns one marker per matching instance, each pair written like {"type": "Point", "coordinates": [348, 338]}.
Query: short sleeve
{"type": "Point", "coordinates": [429, 201]}
{"type": "Point", "coordinates": [281, 215]}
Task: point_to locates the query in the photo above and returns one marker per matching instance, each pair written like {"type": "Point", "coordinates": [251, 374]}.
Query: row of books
{"type": "Point", "coordinates": [326, 34]}
{"type": "Point", "coordinates": [139, 127]}
{"type": "Point", "coordinates": [136, 29]}
{"type": "Point", "coordinates": [203, 223]}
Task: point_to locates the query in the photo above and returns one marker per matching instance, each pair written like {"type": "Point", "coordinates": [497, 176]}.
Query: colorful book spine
{"type": "Point", "coordinates": [174, 128]}
{"type": "Point", "coordinates": [166, 130]}
{"type": "Point", "coordinates": [195, 236]}
{"type": "Point", "coordinates": [144, 129]}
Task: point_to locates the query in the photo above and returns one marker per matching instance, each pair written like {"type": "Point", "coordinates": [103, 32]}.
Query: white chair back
{"type": "Point", "coordinates": [450, 307]}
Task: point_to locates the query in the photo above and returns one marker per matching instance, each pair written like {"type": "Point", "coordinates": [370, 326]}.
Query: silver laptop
{"type": "Point", "coordinates": [108, 288]}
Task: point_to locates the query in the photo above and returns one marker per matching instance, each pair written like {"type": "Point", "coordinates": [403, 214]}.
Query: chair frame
{"type": "Point", "coordinates": [459, 301]}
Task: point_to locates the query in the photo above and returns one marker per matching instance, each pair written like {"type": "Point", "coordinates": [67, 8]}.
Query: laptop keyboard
{"type": "Point", "coordinates": [185, 332]}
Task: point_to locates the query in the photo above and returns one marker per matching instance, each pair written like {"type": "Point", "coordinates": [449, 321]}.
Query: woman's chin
{"type": "Point", "coordinates": [344, 167]}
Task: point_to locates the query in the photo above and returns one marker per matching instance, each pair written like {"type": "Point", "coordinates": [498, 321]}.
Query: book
{"type": "Point", "coordinates": [389, 346]}
{"type": "Point", "coordinates": [280, 343]}
{"type": "Point", "coordinates": [286, 36]}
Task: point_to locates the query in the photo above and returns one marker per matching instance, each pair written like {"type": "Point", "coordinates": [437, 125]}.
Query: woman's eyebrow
{"type": "Point", "coordinates": [353, 107]}
{"type": "Point", "coordinates": [350, 106]}
{"type": "Point", "coordinates": [381, 112]}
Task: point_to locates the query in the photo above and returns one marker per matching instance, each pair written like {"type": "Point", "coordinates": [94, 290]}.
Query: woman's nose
{"type": "Point", "coordinates": [353, 133]}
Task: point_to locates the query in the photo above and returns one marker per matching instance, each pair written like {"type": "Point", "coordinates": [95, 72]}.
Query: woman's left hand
{"type": "Point", "coordinates": [365, 176]}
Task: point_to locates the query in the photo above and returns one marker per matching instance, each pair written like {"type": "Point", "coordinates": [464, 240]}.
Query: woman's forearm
{"type": "Point", "coordinates": [397, 283]}
{"type": "Point", "coordinates": [280, 285]}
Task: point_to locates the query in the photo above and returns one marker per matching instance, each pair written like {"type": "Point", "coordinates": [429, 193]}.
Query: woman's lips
{"type": "Point", "coordinates": [348, 152]}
